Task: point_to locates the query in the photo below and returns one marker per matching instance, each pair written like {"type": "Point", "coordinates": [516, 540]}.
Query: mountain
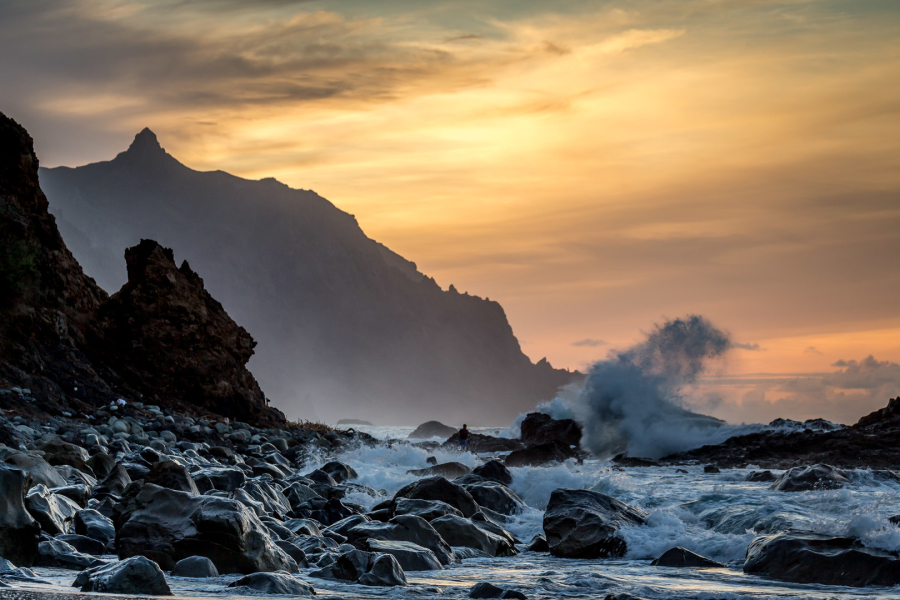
{"type": "Point", "coordinates": [162, 338]}
{"type": "Point", "coordinates": [345, 326]}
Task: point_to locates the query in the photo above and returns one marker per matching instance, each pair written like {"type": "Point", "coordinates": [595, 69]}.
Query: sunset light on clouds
{"type": "Point", "coordinates": [592, 166]}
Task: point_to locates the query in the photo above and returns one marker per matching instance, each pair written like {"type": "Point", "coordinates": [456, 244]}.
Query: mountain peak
{"type": "Point", "coordinates": [146, 140]}
{"type": "Point", "coordinates": [145, 150]}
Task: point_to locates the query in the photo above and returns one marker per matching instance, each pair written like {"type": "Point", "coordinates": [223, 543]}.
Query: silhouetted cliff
{"type": "Point", "coordinates": [162, 338]}
{"type": "Point", "coordinates": [346, 326]}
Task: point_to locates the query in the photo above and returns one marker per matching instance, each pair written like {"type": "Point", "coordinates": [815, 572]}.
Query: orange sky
{"type": "Point", "coordinates": [593, 166]}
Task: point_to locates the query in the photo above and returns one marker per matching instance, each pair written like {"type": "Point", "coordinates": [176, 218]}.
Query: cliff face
{"type": "Point", "coordinates": [162, 337]}
{"type": "Point", "coordinates": [346, 326]}
{"type": "Point", "coordinates": [164, 332]}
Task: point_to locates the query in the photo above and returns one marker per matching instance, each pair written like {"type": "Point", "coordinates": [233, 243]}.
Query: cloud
{"type": "Point", "coordinates": [590, 343]}
{"type": "Point", "coordinates": [752, 347]}
{"type": "Point", "coordinates": [811, 350]}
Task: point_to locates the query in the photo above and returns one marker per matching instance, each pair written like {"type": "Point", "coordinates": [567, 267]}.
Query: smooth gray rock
{"type": "Point", "coordinates": [40, 470]}
{"type": "Point", "coordinates": [92, 524]}
{"type": "Point", "coordinates": [495, 496]}
{"type": "Point", "coordinates": [404, 528]}
{"type": "Point", "coordinates": [411, 557]}
{"type": "Point", "coordinates": [83, 544]}
{"type": "Point", "coordinates": [816, 477]}
{"type": "Point", "coordinates": [458, 531]}
{"type": "Point", "coordinates": [170, 474]}
{"type": "Point", "coordinates": [279, 583]}
{"type": "Point", "coordinates": [439, 488]}
{"type": "Point", "coordinates": [495, 471]}
{"type": "Point", "coordinates": [197, 567]}
{"type": "Point", "coordinates": [585, 524]}
{"type": "Point", "coordinates": [489, 590]}
{"type": "Point", "coordinates": [427, 509]}
{"type": "Point", "coordinates": [56, 553]}
{"type": "Point", "coordinates": [114, 483]}
{"type": "Point", "coordinates": [384, 571]}
{"type": "Point", "coordinates": [19, 532]}
{"type": "Point", "coordinates": [56, 514]}
{"type": "Point", "coordinates": [339, 471]}
{"type": "Point", "coordinates": [135, 575]}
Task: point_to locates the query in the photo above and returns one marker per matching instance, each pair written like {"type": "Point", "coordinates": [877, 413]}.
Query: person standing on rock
{"type": "Point", "coordinates": [464, 437]}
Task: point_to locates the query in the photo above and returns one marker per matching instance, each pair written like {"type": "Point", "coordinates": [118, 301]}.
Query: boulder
{"type": "Point", "coordinates": [56, 553]}
{"type": "Point", "coordinates": [485, 443]}
{"type": "Point", "coordinates": [634, 461]}
{"type": "Point", "coordinates": [55, 513]}
{"type": "Point", "coordinates": [489, 590]}
{"type": "Point", "coordinates": [816, 477]}
{"type": "Point", "coordinates": [40, 471]}
{"type": "Point", "coordinates": [294, 552]}
{"type": "Point", "coordinates": [19, 532]}
{"type": "Point", "coordinates": [83, 544]}
{"type": "Point", "coordinates": [92, 524]}
{"type": "Point", "coordinates": [298, 493]}
{"type": "Point", "coordinates": [801, 557]}
{"type": "Point", "coordinates": [75, 477]}
{"type": "Point", "coordinates": [273, 501]}
{"type": "Point", "coordinates": [427, 509]}
{"type": "Point", "coordinates": [538, 544]}
{"type": "Point", "coordinates": [439, 488]}
{"type": "Point", "coordinates": [339, 471]}
{"type": "Point", "coordinates": [585, 524]}
{"type": "Point", "coordinates": [57, 452]}
{"type": "Point", "coordinates": [280, 583]}
{"type": "Point", "coordinates": [682, 557]}
{"type": "Point", "coordinates": [432, 429]}
{"type": "Point", "coordinates": [495, 471]}
{"type": "Point", "coordinates": [458, 531]}
{"type": "Point", "coordinates": [541, 454]}
{"type": "Point", "coordinates": [711, 469]}
{"type": "Point", "coordinates": [101, 464]}
{"type": "Point", "coordinates": [226, 479]}
{"type": "Point", "coordinates": [495, 496]}
{"type": "Point", "coordinates": [411, 557]}
{"type": "Point", "coordinates": [167, 526]}
{"type": "Point", "coordinates": [403, 528]}
{"type": "Point", "coordinates": [170, 474]}
{"type": "Point", "coordinates": [115, 483]}
{"type": "Point", "coordinates": [384, 571]}
{"type": "Point", "coordinates": [761, 476]}
{"type": "Point", "coordinates": [197, 567]}
{"type": "Point", "coordinates": [491, 524]}
{"type": "Point", "coordinates": [79, 493]}
{"type": "Point", "coordinates": [450, 470]}
{"type": "Point", "coordinates": [343, 526]}
{"type": "Point", "coordinates": [538, 428]}
{"type": "Point", "coordinates": [135, 575]}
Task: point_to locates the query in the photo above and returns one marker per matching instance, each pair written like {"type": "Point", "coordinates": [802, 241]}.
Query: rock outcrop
{"type": "Point", "coordinates": [19, 532]}
{"type": "Point", "coordinates": [431, 429]}
{"type": "Point", "coordinates": [135, 575]}
{"type": "Point", "coordinates": [585, 524]}
{"type": "Point", "coordinates": [539, 428]}
{"type": "Point", "coordinates": [816, 477]}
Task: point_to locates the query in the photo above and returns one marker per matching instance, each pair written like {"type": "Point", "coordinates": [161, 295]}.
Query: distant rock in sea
{"type": "Point", "coordinates": [431, 429]}
{"type": "Point", "coordinates": [353, 422]}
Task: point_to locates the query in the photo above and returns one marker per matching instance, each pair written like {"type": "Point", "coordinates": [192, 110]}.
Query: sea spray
{"type": "Point", "coordinates": [632, 401]}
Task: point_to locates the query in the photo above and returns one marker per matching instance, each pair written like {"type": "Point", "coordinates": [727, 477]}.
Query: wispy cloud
{"type": "Point", "coordinates": [743, 346]}
{"type": "Point", "coordinates": [589, 343]}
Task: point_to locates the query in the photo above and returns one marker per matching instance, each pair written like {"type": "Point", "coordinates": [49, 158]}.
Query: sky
{"type": "Point", "coordinates": [594, 166]}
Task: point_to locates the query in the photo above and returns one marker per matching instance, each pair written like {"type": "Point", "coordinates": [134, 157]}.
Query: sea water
{"type": "Point", "coordinates": [713, 514]}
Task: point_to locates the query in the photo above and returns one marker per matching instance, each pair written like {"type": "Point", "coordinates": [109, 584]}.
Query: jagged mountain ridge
{"type": "Point", "coordinates": [344, 325]}
{"type": "Point", "coordinates": [162, 338]}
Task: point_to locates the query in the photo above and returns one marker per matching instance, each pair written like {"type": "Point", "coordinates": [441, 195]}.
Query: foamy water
{"type": "Point", "coordinates": [716, 515]}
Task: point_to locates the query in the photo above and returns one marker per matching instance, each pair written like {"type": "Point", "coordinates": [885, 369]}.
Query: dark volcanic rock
{"type": "Point", "coordinates": [198, 567]}
{"type": "Point", "coordinates": [458, 531]}
{"type": "Point", "coordinates": [439, 488]}
{"type": "Point", "coordinates": [172, 475]}
{"type": "Point", "coordinates": [427, 509]}
{"type": "Point", "coordinates": [274, 583]}
{"type": "Point", "coordinates": [164, 332]}
{"type": "Point", "coordinates": [682, 557]}
{"type": "Point", "coordinates": [816, 477]}
{"type": "Point", "coordinates": [55, 513]}
{"type": "Point", "coordinates": [495, 496]}
{"type": "Point", "coordinates": [92, 524]}
{"type": "Point", "coordinates": [633, 461]}
{"type": "Point", "coordinates": [83, 544]}
{"type": "Point", "coordinates": [761, 476]}
{"type": "Point", "coordinates": [485, 443]}
{"type": "Point", "coordinates": [404, 528]}
{"type": "Point", "coordinates": [411, 557]}
{"type": "Point", "coordinates": [542, 454]}
{"type": "Point", "coordinates": [57, 553]}
{"type": "Point", "coordinates": [489, 590]}
{"type": "Point", "coordinates": [37, 468]}
{"type": "Point", "coordinates": [339, 471]}
{"type": "Point", "coordinates": [538, 428]}
{"type": "Point", "coordinates": [449, 470]}
{"type": "Point", "coordinates": [494, 470]}
{"type": "Point", "coordinates": [135, 575]}
{"type": "Point", "coordinates": [115, 483]}
{"type": "Point", "coordinates": [385, 570]}
{"type": "Point", "coordinates": [538, 544]}
{"type": "Point", "coordinates": [431, 429]}
{"type": "Point", "coordinates": [19, 532]}
{"type": "Point", "coordinates": [167, 526]}
{"type": "Point", "coordinates": [584, 524]}
{"type": "Point", "coordinates": [801, 557]}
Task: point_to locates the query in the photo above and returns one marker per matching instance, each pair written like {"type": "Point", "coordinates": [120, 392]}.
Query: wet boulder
{"type": "Point", "coordinates": [816, 477]}
{"type": "Point", "coordinates": [298, 493]}
{"type": "Point", "coordinates": [761, 476]}
{"type": "Point", "coordinates": [403, 528]}
{"type": "Point", "coordinates": [135, 575]}
{"type": "Point", "coordinates": [495, 471]}
{"type": "Point", "coordinates": [340, 472]}
{"type": "Point", "coordinates": [294, 551]}
{"type": "Point", "coordinates": [166, 526]}
{"type": "Point", "coordinates": [585, 524]}
{"type": "Point", "coordinates": [384, 571]}
{"type": "Point", "coordinates": [411, 557]}
{"type": "Point", "coordinates": [538, 544]}
{"type": "Point", "coordinates": [280, 583]}
{"type": "Point", "coordinates": [55, 513]}
{"type": "Point", "coordinates": [458, 531]}
{"type": "Point", "coordinates": [802, 557]}
{"type": "Point", "coordinates": [79, 493]}
{"type": "Point", "coordinates": [114, 483]}
{"type": "Point", "coordinates": [170, 474]}
{"type": "Point", "coordinates": [431, 429]}
{"type": "Point", "coordinates": [92, 524]}
{"type": "Point", "coordinates": [427, 509]}
{"type": "Point", "coordinates": [495, 496]}
{"type": "Point", "coordinates": [58, 452]}
{"type": "Point", "coordinates": [101, 464]}
{"type": "Point", "coordinates": [439, 488]}
{"type": "Point", "coordinates": [59, 554]}
{"type": "Point", "coordinates": [197, 567]}
{"type": "Point", "coordinates": [682, 557]}
{"type": "Point", "coordinates": [226, 479]}
{"type": "Point", "coordinates": [489, 590]}
{"type": "Point", "coordinates": [83, 544]}
{"type": "Point", "coordinates": [449, 470]}
{"type": "Point", "coordinates": [539, 428]}
{"type": "Point", "coordinates": [40, 471]}
{"type": "Point", "coordinates": [273, 501]}
{"type": "Point", "coordinates": [19, 531]}
{"type": "Point", "coordinates": [367, 568]}
{"type": "Point", "coordinates": [538, 455]}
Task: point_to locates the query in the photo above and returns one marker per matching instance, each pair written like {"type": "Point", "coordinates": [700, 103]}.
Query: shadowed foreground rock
{"type": "Point", "coordinates": [274, 583]}
{"type": "Point", "coordinates": [585, 524]}
{"type": "Point", "coordinates": [802, 557]}
{"type": "Point", "coordinates": [167, 526]}
{"type": "Point", "coordinates": [19, 532]}
{"type": "Point", "coordinates": [136, 575]}
{"type": "Point", "coordinates": [682, 557]}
